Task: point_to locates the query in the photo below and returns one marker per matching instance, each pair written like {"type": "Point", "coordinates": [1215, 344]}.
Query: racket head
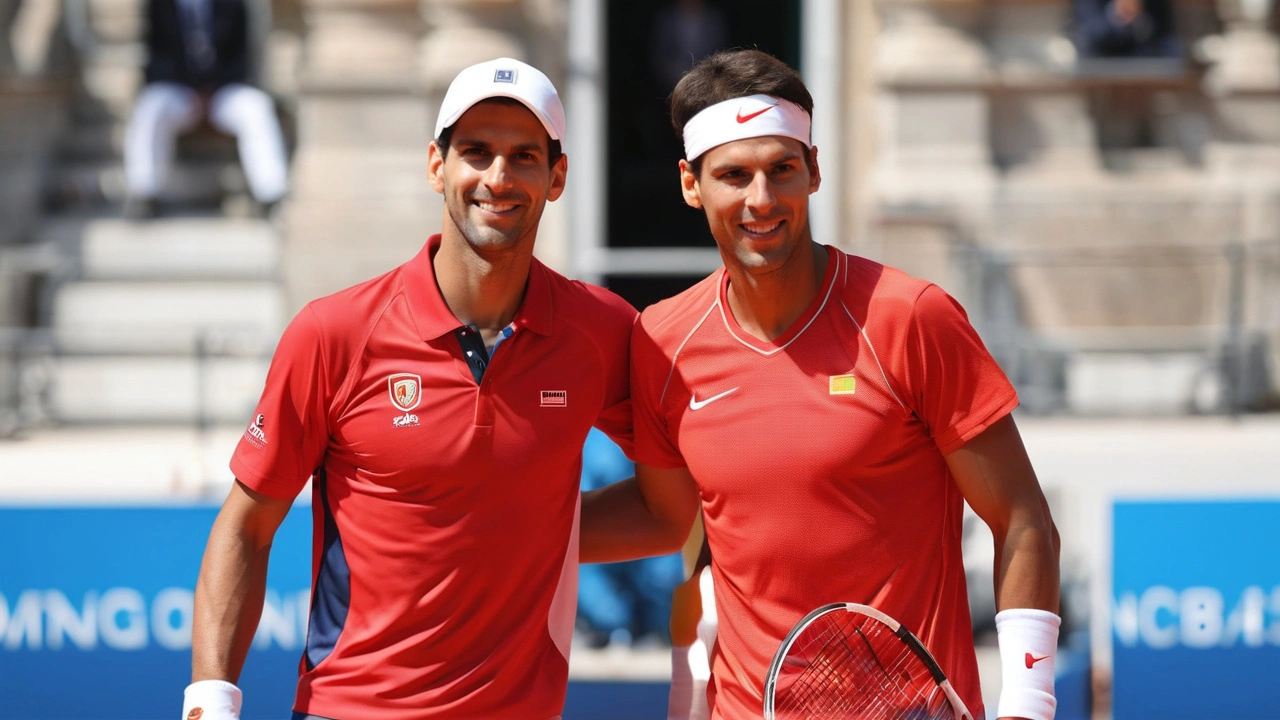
{"type": "Point", "coordinates": [846, 660]}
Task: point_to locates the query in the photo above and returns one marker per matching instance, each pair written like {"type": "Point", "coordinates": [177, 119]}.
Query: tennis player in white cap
{"type": "Point", "coordinates": [441, 411]}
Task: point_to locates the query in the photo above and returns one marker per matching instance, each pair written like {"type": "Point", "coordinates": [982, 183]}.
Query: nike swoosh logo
{"type": "Point", "coordinates": [1032, 660]}
{"type": "Point", "coordinates": [696, 404]}
{"type": "Point", "coordinates": [743, 118]}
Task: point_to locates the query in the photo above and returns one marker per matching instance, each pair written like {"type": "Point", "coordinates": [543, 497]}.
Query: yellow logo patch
{"type": "Point", "coordinates": [843, 384]}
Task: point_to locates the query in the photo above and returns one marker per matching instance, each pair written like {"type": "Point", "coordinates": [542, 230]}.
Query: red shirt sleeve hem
{"type": "Point", "coordinates": [274, 488]}
{"type": "Point", "coordinates": [956, 436]}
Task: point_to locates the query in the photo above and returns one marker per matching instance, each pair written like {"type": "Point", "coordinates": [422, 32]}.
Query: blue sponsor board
{"type": "Point", "coordinates": [1195, 615]}
{"type": "Point", "coordinates": [95, 619]}
{"type": "Point", "coordinates": [95, 612]}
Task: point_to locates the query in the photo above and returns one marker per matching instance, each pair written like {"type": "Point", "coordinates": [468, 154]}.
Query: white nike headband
{"type": "Point", "coordinates": [744, 117]}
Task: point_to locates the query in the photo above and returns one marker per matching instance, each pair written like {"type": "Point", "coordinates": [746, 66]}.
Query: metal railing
{"type": "Point", "coordinates": [1232, 346]}
{"type": "Point", "coordinates": [29, 377]}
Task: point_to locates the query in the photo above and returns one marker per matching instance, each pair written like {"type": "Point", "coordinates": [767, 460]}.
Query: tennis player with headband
{"type": "Point", "coordinates": [829, 415]}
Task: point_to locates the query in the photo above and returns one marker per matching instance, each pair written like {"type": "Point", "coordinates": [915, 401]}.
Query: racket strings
{"type": "Point", "coordinates": [850, 666]}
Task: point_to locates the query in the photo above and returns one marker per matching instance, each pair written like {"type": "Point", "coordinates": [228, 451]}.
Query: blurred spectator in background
{"type": "Point", "coordinates": [622, 603]}
{"type": "Point", "coordinates": [198, 68]}
{"type": "Point", "coordinates": [683, 33]}
{"type": "Point", "coordinates": [1125, 28]}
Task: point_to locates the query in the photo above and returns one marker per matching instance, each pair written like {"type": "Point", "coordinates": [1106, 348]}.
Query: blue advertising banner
{"type": "Point", "coordinates": [95, 612]}
{"type": "Point", "coordinates": [95, 619]}
{"type": "Point", "coordinates": [1196, 610]}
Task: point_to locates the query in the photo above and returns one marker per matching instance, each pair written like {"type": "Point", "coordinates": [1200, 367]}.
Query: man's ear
{"type": "Point", "coordinates": [816, 180]}
{"type": "Point", "coordinates": [435, 167]}
{"type": "Point", "coordinates": [689, 185]}
{"type": "Point", "coordinates": [558, 173]}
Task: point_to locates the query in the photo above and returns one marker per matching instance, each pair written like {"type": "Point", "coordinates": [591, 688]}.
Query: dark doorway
{"type": "Point", "coordinates": [644, 41]}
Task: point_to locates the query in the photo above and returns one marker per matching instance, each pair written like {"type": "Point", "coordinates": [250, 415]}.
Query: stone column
{"type": "Point", "coordinates": [1246, 76]}
{"type": "Point", "coordinates": [8, 11]}
{"type": "Point", "coordinates": [464, 32]}
{"type": "Point", "coordinates": [1244, 85]}
{"type": "Point", "coordinates": [859, 151]}
{"type": "Point", "coordinates": [34, 111]}
{"type": "Point", "coordinates": [360, 203]}
{"type": "Point", "coordinates": [934, 178]}
{"type": "Point", "coordinates": [931, 65]}
{"type": "Point", "coordinates": [1040, 116]}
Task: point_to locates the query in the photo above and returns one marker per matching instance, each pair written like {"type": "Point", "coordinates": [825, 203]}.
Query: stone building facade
{"type": "Point", "coordinates": [1111, 226]}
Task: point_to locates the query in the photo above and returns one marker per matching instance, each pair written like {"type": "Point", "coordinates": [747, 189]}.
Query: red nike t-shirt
{"type": "Point", "coordinates": [446, 529]}
{"type": "Point", "coordinates": [819, 459]}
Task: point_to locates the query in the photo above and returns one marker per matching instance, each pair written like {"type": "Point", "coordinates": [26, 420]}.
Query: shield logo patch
{"type": "Point", "coordinates": [406, 390]}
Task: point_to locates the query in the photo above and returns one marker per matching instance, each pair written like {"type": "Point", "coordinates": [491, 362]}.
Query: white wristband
{"type": "Point", "coordinates": [689, 674]}
{"type": "Point", "coordinates": [211, 700]}
{"type": "Point", "coordinates": [1028, 640]}
{"type": "Point", "coordinates": [709, 623]}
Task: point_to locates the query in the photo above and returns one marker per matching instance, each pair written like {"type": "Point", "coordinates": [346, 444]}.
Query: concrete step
{"type": "Point", "coordinates": [1169, 383]}
{"type": "Point", "coordinates": [166, 317]}
{"type": "Point", "coordinates": [191, 248]}
{"type": "Point", "coordinates": [93, 141]}
{"type": "Point", "coordinates": [102, 139]}
{"type": "Point", "coordinates": [191, 183]}
{"type": "Point", "coordinates": [130, 389]}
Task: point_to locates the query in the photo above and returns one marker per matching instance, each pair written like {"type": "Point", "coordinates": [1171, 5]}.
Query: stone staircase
{"type": "Point", "coordinates": [170, 320]}
{"type": "Point", "coordinates": [164, 321]}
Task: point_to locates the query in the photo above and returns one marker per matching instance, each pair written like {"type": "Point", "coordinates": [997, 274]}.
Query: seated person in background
{"type": "Point", "coordinates": [620, 603]}
{"type": "Point", "coordinates": [197, 68]}
{"type": "Point", "coordinates": [1125, 28]}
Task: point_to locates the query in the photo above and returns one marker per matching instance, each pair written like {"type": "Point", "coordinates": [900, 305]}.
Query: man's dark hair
{"type": "Point", "coordinates": [732, 74]}
{"type": "Point", "coordinates": [554, 150]}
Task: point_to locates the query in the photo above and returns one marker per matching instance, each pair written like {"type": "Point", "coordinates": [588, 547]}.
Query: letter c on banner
{"type": "Point", "coordinates": [1151, 602]}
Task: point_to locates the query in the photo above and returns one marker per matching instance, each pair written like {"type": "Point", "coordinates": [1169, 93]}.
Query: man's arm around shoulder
{"type": "Point", "coordinates": [649, 514]}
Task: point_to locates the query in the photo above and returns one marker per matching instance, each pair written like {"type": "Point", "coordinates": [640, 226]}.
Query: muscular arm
{"type": "Point", "coordinates": [650, 514]}
{"type": "Point", "coordinates": [996, 478]}
{"type": "Point", "coordinates": [233, 581]}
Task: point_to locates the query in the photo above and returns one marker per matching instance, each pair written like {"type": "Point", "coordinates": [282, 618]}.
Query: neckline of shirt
{"type": "Point", "coordinates": [798, 327]}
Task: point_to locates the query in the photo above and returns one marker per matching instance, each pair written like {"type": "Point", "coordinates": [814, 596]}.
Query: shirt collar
{"type": "Point", "coordinates": [432, 315]}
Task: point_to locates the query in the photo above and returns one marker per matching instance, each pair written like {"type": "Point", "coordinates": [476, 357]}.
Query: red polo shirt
{"type": "Point", "coordinates": [446, 548]}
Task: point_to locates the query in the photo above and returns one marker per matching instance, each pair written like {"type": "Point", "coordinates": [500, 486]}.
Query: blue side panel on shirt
{"type": "Point", "coordinates": [332, 596]}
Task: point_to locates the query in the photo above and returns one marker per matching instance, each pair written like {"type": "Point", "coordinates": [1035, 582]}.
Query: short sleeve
{"type": "Point", "coordinates": [614, 343]}
{"type": "Point", "coordinates": [956, 387]}
{"type": "Point", "coordinates": [650, 369]}
{"type": "Point", "coordinates": [286, 438]}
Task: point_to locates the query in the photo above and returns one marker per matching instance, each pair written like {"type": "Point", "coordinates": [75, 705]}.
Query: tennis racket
{"type": "Point", "coordinates": [852, 662]}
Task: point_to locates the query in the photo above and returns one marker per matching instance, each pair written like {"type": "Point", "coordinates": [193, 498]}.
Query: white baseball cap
{"type": "Point", "coordinates": [508, 78]}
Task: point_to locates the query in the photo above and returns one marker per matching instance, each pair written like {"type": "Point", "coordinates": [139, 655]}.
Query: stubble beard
{"type": "Point", "coordinates": [484, 239]}
{"type": "Point", "coordinates": [773, 259]}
